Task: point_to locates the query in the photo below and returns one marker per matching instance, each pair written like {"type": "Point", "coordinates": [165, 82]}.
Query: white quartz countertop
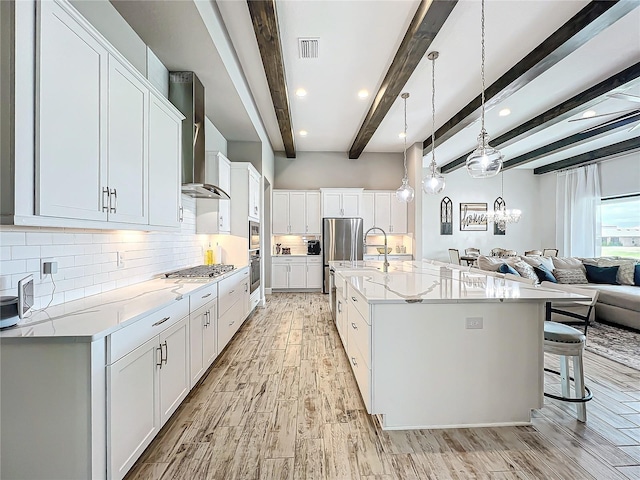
{"type": "Point", "coordinates": [421, 282]}
{"type": "Point", "coordinates": [97, 316]}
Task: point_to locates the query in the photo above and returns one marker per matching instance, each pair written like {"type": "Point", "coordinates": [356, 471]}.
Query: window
{"type": "Point", "coordinates": [621, 226]}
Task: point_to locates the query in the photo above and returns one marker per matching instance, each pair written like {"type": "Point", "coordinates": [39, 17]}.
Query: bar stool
{"type": "Point", "coordinates": [566, 341]}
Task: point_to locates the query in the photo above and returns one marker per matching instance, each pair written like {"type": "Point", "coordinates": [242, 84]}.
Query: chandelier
{"type": "Point", "coordinates": [405, 192]}
{"type": "Point", "coordinates": [434, 182]}
{"type": "Point", "coordinates": [485, 161]}
{"type": "Point", "coordinates": [502, 215]}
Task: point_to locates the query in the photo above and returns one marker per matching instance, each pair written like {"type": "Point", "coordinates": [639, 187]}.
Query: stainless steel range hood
{"type": "Point", "coordinates": [186, 92]}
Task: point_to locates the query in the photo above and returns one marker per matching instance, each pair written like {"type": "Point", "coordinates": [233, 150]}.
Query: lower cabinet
{"type": "Point", "coordinates": [203, 344]}
{"type": "Point", "coordinates": [296, 272]}
{"type": "Point", "coordinates": [144, 388]}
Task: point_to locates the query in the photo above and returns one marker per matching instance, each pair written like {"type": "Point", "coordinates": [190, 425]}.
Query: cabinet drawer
{"type": "Point", "coordinates": [287, 260]}
{"type": "Point", "coordinates": [228, 324]}
{"type": "Point", "coordinates": [359, 303]}
{"type": "Point", "coordinates": [359, 333]}
{"type": "Point", "coordinates": [362, 374]}
{"type": "Point", "coordinates": [230, 290]}
{"type": "Point", "coordinates": [314, 259]}
{"type": "Point", "coordinates": [127, 339]}
{"type": "Point", "coordinates": [202, 296]}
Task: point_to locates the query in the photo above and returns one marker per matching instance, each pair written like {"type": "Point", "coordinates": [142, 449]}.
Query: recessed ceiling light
{"type": "Point", "coordinates": [363, 94]}
{"type": "Point", "coordinates": [301, 92]}
{"type": "Point", "coordinates": [303, 133]}
{"type": "Point", "coordinates": [504, 112]}
{"type": "Point", "coordinates": [589, 114]}
{"type": "Point", "coordinates": [402, 135]}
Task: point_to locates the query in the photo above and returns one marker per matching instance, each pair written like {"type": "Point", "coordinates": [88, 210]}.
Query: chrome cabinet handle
{"type": "Point", "coordinates": [181, 213]}
{"type": "Point", "coordinates": [231, 292]}
{"type": "Point", "coordinates": [105, 200]}
{"type": "Point", "coordinates": [206, 316]}
{"type": "Point", "coordinates": [159, 363]}
{"type": "Point", "coordinates": [339, 307]}
{"type": "Point", "coordinates": [354, 299]}
{"type": "Point", "coordinates": [207, 295]}
{"type": "Point", "coordinates": [246, 287]}
{"type": "Point", "coordinates": [166, 351]}
{"type": "Point", "coordinates": [221, 220]}
{"type": "Point", "coordinates": [353, 360]}
{"type": "Point", "coordinates": [355, 327]}
{"type": "Point", "coordinates": [113, 209]}
{"type": "Point", "coordinates": [160, 321]}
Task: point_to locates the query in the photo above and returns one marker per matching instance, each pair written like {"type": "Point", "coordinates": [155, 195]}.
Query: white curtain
{"type": "Point", "coordinates": [578, 196]}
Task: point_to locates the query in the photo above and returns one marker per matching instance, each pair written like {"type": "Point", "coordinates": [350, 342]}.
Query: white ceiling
{"type": "Point", "coordinates": [358, 39]}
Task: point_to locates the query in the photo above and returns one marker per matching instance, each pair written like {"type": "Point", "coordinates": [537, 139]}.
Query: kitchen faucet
{"type": "Point", "coordinates": [385, 265]}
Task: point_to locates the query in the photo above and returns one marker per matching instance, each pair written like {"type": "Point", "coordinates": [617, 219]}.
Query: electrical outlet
{"type": "Point", "coordinates": [48, 266]}
{"type": "Point", "coordinates": [474, 322]}
{"type": "Point", "coordinates": [120, 259]}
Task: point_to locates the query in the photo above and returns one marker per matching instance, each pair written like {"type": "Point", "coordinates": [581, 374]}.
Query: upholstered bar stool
{"type": "Point", "coordinates": [566, 341]}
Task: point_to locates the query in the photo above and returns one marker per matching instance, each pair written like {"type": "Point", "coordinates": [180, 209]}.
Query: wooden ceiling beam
{"type": "Point", "coordinates": [561, 112]}
{"type": "Point", "coordinates": [265, 26]}
{"type": "Point", "coordinates": [582, 27]}
{"type": "Point", "coordinates": [425, 25]}
{"type": "Point", "coordinates": [627, 146]}
{"type": "Point", "coordinates": [573, 140]}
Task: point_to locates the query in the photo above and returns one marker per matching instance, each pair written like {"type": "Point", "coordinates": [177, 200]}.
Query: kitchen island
{"type": "Point", "coordinates": [436, 347]}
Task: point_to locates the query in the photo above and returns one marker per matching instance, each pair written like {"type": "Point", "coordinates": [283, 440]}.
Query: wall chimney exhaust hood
{"type": "Point", "coordinates": [186, 92]}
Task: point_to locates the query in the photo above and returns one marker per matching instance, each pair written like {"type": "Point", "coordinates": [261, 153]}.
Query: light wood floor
{"type": "Point", "coordinates": [281, 402]}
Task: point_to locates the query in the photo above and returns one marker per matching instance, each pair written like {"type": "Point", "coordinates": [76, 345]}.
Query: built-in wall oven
{"type": "Point", "coordinates": [254, 236]}
{"type": "Point", "coordinates": [254, 269]}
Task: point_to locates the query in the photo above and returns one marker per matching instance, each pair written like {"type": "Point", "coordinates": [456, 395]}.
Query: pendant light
{"type": "Point", "coordinates": [502, 216]}
{"type": "Point", "coordinates": [485, 161]}
{"type": "Point", "coordinates": [434, 182]}
{"type": "Point", "coordinates": [405, 193]}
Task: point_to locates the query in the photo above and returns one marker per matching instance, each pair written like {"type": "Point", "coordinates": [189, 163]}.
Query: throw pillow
{"type": "Point", "coordinates": [602, 274]}
{"type": "Point", "coordinates": [572, 276]}
{"type": "Point", "coordinates": [544, 275]}
{"type": "Point", "coordinates": [535, 260]}
{"type": "Point", "coordinates": [625, 272]}
{"type": "Point", "coordinates": [636, 275]}
{"type": "Point", "coordinates": [492, 264]}
{"type": "Point", "coordinates": [525, 270]}
{"type": "Point", "coordinates": [565, 263]}
{"type": "Point", "coordinates": [504, 268]}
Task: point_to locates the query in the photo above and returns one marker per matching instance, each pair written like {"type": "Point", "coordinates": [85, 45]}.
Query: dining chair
{"type": "Point", "coordinates": [497, 252]}
{"type": "Point", "coordinates": [550, 252]}
{"type": "Point", "coordinates": [472, 252]}
{"type": "Point", "coordinates": [509, 253]}
{"type": "Point", "coordinates": [454, 256]}
{"type": "Point", "coordinates": [528, 253]}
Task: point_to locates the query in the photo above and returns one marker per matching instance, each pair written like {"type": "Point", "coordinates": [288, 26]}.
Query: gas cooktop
{"type": "Point", "coordinates": [201, 271]}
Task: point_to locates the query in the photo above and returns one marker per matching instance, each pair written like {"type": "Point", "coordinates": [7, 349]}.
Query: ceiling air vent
{"type": "Point", "coordinates": [308, 47]}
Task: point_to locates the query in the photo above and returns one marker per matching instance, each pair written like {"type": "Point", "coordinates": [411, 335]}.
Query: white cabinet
{"type": "Point", "coordinates": [367, 210]}
{"type": "Point", "coordinates": [296, 272]}
{"type": "Point", "coordinates": [145, 385]}
{"type": "Point", "coordinates": [233, 306]}
{"type": "Point", "coordinates": [71, 164]}
{"type": "Point", "coordinates": [296, 212]}
{"type": "Point", "coordinates": [165, 146]}
{"type": "Point", "coordinates": [214, 216]}
{"type": "Point", "coordinates": [344, 202]}
{"type": "Point", "coordinates": [202, 332]}
{"type": "Point", "coordinates": [245, 200]}
{"type": "Point", "coordinates": [389, 213]}
{"type": "Point", "coordinates": [314, 273]}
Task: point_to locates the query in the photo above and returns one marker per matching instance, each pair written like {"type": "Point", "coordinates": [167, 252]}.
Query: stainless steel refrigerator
{"type": "Point", "coordinates": [341, 240]}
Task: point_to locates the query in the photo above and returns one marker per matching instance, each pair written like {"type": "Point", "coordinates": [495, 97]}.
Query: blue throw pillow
{"type": "Point", "coordinates": [544, 275]}
{"type": "Point", "coordinates": [636, 275]}
{"type": "Point", "coordinates": [602, 274]}
{"type": "Point", "coordinates": [504, 268]}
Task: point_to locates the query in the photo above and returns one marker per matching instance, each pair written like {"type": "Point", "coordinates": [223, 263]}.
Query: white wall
{"type": "Point", "coordinates": [520, 191]}
{"type": "Point", "coordinates": [313, 170]}
{"type": "Point", "coordinates": [213, 139]}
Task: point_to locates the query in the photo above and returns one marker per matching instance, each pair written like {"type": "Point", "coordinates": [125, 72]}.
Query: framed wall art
{"type": "Point", "coordinates": [473, 217]}
{"type": "Point", "coordinates": [446, 216]}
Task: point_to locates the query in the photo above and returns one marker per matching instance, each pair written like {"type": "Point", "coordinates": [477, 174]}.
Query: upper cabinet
{"type": "Point", "coordinates": [107, 145]}
{"type": "Point", "coordinates": [382, 209]}
{"type": "Point", "coordinates": [245, 197]}
{"type": "Point", "coordinates": [214, 216]}
{"type": "Point", "coordinates": [341, 202]}
{"type": "Point", "coordinates": [296, 212]}
{"type": "Point", "coordinates": [254, 194]}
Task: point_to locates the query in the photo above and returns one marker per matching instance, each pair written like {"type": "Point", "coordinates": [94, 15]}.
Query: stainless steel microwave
{"type": "Point", "coordinates": [254, 235]}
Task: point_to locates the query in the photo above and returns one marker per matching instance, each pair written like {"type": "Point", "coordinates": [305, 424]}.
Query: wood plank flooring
{"type": "Point", "coordinates": [281, 403]}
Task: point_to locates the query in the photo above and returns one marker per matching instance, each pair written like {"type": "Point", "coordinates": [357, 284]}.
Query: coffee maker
{"type": "Point", "coordinates": [313, 247]}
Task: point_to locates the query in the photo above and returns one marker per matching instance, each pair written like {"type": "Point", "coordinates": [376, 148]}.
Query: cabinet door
{"type": "Point", "coordinates": [382, 211]}
{"type": "Point", "coordinates": [314, 222]}
{"type": "Point", "coordinates": [70, 119]}
{"type": "Point", "coordinates": [314, 275]}
{"type": "Point", "coordinates": [297, 208]}
{"type": "Point", "coordinates": [280, 213]}
{"type": "Point", "coordinates": [165, 164]}
{"type": "Point", "coordinates": [133, 418]}
{"type": "Point", "coordinates": [254, 195]}
{"type": "Point", "coordinates": [351, 204]}
{"type": "Point", "coordinates": [280, 275]}
{"type": "Point", "coordinates": [298, 275]}
{"type": "Point", "coordinates": [197, 328]}
{"type": "Point", "coordinates": [174, 373]}
{"type": "Point", "coordinates": [366, 211]}
{"type": "Point", "coordinates": [341, 318]}
{"type": "Point", "coordinates": [128, 164]}
{"type": "Point", "coordinates": [224, 206]}
{"type": "Point", "coordinates": [398, 215]}
{"type": "Point", "coordinates": [209, 346]}
{"type": "Point", "coordinates": [332, 204]}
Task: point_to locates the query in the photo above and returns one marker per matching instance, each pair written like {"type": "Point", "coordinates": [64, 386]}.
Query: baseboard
{"type": "Point", "coordinates": [267, 291]}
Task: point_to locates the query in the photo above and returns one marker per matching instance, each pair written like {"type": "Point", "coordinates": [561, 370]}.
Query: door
{"type": "Point", "coordinates": [174, 372]}
{"type": "Point", "coordinates": [314, 224]}
{"type": "Point", "coordinates": [133, 418]}
{"type": "Point", "coordinates": [298, 275]}
{"type": "Point", "coordinates": [70, 118]}
{"type": "Point", "coordinates": [314, 275]}
{"type": "Point", "coordinates": [128, 163]}
{"type": "Point", "coordinates": [366, 210]}
{"type": "Point", "coordinates": [197, 331]}
{"type": "Point", "coordinates": [332, 204]}
{"type": "Point", "coordinates": [165, 134]}
{"type": "Point", "coordinates": [280, 215]}
{"type": "Point", "coordinates": [297, 208]}
{"type": "Point", "coordinates": [224, 206]}
{"type": "Point", "coordinates": [342, 239]}
{"type": "Point", "coordinates": [398, 215]}
{"type": "Point", "coordinates": [280, 275]}
{"type": "Point", "coordinates": [382, 211]}
{"type": "Point", "coordinates": [209, 347]}
{"type": "Point", "coordinates": [351, 204]}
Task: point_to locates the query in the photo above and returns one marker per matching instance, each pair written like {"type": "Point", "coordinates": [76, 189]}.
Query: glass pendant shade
{"type": "Point", "coordinates": [433, 183]}
{"type": "Point", "coordinates": [485, 161]}
{"type": "Point", "coordinates": [405, 193]}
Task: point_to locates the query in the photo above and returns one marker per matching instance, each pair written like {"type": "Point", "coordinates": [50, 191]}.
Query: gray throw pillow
{"type": "Point", "coordinates": [572, 276]}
